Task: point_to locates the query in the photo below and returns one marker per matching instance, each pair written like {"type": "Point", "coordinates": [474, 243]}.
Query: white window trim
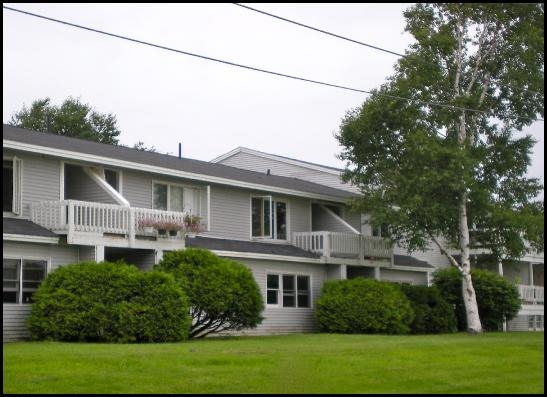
{"type": "Point", "coordinates": [181, 185]}
{"type": "Point", "coordinates": [279, 303]}
{"type": "Point", "coordinates": [273, 228]}
{"type": "Point", "coordinates": [28, 258]}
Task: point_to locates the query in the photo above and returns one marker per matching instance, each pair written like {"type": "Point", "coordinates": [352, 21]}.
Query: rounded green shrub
{"type": "Point", "coordinates": [497, 298]}
{"type": "Point", "coordinates": [108, 302]}
{"type": "Point", "coordinates": [362, 305]}
{"type": "Point", "coordinates": [432, 314]}
{"type": "Point", "coordinates": [223, 294]}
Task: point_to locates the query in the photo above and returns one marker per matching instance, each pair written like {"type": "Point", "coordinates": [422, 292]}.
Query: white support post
{"type": "Point", "coordinates": [159, 256]}
{"type": "Point", "coordinates": [343, 272]}
{"type": "Point", "coordinates": [70, 220]}
{"type": "Point", "coordinates": [377, 273]}
{"type": "Point", "coordinates": [131, 228]}
{"type": "Point", "coordinates": [99, 253]}
{"type": "Point", "coordinates": [326, 244]}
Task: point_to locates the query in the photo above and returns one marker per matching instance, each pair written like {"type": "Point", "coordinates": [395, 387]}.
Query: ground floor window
{"type": "Point", "coordinates": [22, 278]}
{"type": "Point", "coordinates": [288, 290]}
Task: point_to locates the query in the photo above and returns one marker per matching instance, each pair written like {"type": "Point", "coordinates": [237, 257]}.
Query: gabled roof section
{"type": "Point", "coordinates": [17, 229]}
{"type": "Point", "coordinates": [301, 163]}
{"type": "Point", "coordinates": [125, 157]}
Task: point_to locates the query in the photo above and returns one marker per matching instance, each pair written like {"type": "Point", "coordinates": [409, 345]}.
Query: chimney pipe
{"type": "Point", "coordinates": [180, 150]}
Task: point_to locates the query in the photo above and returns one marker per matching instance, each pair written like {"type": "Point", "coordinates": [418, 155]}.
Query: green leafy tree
{"type": "Point", "coordinates": [445, 158]}
{"type": "Point", "coordinates": [222, 293]}
{"type": "Point", "coordinates": [73, 118]}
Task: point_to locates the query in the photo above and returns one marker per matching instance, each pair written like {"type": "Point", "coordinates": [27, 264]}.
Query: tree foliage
{"type": "Point", "coordinates": [73, 118]}
{"type": "Point", "coordinates": [223, 294]}
{"type": "Point", "coordinates": [498, 299]}
{"type": "Point", "coordinates": [434, 149]}
{"type": "Point", "coordinates": [109, 302]}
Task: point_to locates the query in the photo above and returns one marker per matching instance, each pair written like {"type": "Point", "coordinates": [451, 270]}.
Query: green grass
{"type": "Point", "coordinates": [308, 363]}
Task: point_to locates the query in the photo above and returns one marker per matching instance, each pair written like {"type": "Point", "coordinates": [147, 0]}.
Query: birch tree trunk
{"type": "Point", "coordinates": [468, 291]}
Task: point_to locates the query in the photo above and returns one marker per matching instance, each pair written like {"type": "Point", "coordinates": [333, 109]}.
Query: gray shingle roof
{"type": "Point", "coordinates": [25, 227]}
{"type": "Point", "coordinates": [406, 260]}
{"type": "Point", "coordinates": [218, 244]}
{"type": "Point", "coordinates": [166, 161]}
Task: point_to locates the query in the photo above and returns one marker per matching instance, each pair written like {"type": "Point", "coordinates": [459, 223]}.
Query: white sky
{"type": "Point", "coordinates": [163, 98]}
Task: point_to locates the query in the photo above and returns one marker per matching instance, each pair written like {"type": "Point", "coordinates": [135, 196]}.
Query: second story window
{"type": "Point", "coordinates": [268, 218]}
{"type": "Point", "coordinates": [112, 178]}
{"type": "Point", "coordinates": [172, 197]}
{"type": "Point", "coordinates": [11, 185]}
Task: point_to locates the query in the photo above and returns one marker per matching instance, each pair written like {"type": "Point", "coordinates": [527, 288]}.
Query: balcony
{"type": "Point", "coordinates": [91, 223]}
{"type": "Point", "coordinates": [531, 294]}
{"type": "Point", "coordinates": [344, 245]}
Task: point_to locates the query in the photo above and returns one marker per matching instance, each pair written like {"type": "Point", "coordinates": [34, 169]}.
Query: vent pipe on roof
{"type": "Point", "coordinates": [268, 172]}
{"type": "Point", "coordinates": [180, 150]}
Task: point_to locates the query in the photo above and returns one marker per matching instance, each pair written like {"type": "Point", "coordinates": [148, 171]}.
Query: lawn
{"type": "Point", "coordinates": [306, 363]}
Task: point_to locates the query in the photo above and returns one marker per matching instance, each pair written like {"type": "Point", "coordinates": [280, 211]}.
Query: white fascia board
{"type": "Point", "coordinates": [30, 239]}
{"type": "Point", "coordinates": [255, 255]}
{"type": "Point", "coordinates": [410, 268]}
{"type": "Point", "coordinates": [162, 170]}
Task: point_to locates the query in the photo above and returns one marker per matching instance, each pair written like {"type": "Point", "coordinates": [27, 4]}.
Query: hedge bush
{"type": "Point", "coordinates": [497, 298]}
{"type": "Point", "coordinates": [432, 314]}
{"type": "Point", "coordinates": [362, 305]}
{"type": "Point", "coordinates": [108, 302]}
{"type": "Point", "coordinates": [223, 294]}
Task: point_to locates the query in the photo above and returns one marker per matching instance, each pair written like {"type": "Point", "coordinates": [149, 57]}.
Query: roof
{"type": "Point", "coordinates": [218, 244]}
{"type": "Point", "coordinates": [68, 147]}
{"type": "Point", "coordinates": [25, 227]}
{"type": "Point", "coordinates": [406, 260]}
{"type": "Point", "coordinates": [307, 164]}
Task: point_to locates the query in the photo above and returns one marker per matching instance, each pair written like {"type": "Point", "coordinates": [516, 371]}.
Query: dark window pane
{"type": "Point", "coordinates": [160, 197]}
{"type": "Point", "coordinates": [288, 300]}
{"type": "Point", "coordinates": [303, 283]}
{"type": "Point", "coordinates": [273, 281]}
{"type": "Point", "coordinates": [303, 300]}
{"type": "Point", "coordinates": [288, 282]}
{"type": "Point", "coordinates": [281, 220]}
{"type": "Point", "coordinates": [272, 297]}
{"type": "Point", "coordinates": [11, 270]}
{"type": "Point", "coordinates": [111, 178]}
{"type": "Point", "coordinates": [7, 186]}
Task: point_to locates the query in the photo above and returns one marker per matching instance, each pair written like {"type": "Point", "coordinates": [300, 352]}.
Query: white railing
{"type": "Point", "coordinates": [531, 293]}
{"type": "Point", "coordinates": [339, 244]}
{"type": "Point", "coordinates": [85, 216]}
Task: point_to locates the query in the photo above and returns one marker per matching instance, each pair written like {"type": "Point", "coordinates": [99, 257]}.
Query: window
{"type": "Point", "coordinates": [112, 179]}
{"type": "Point", "coordinates": [268, 218]}
{"type": "Point", "coordinates": [380, 231]}
{"type": "Point", "coordinates": [294, 290]}
{"type": "Point", "coordinates": [22, 278]}
{"type": "Point", "coordinates": [171, 197]}
{"type": "Point", "coordinates": [11, 185]}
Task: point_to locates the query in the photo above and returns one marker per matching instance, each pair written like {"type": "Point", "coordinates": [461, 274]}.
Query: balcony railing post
{"type": "Point", "coordinates": [131, 227]}
{"type": "Point", "coordinates": [70, 218]}
{"type": "Point", "coordinates": [326, 244]}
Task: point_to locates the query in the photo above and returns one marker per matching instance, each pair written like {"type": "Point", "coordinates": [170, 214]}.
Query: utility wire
{"type": "Point", "coordinates": [321, 31]}
{"type": "Point", "coordinates": [248, 67]}
{"type": "Point", "coordinates": [342, 37]}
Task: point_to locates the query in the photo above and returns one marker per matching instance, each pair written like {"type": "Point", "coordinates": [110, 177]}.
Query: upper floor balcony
{"type": "Point", "coordinates": [344, 245]}
{"type": "Point", "coordinates": [92, 223]}
{"type": "Point", "coordinates": [531, 294]}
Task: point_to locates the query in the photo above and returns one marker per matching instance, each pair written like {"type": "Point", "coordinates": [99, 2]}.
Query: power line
{"type": "Point", "coordinates": [345, 38]}
{"type": "Point", "coordinates": [321, 31]}
{"type": "Point", "coordinates": [249, 67]}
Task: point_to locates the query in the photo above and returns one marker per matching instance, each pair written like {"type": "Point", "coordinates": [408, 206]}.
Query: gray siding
{"type": "Point", "coordinates": [15, 315]}
{"type": "Point", "coordinates": [286, 319]}
{"type": "Point", "coordinates": [137, 188]}
{"type": "Point", "coordinates": [258, 163]}
{"type": "Point", "coordinates": [300, 211]}
{"type": "Point", "coordinates": [431, 255]}
{"type": "Point", "coordinates": [230, 213]}
{"type": "Point", "coordinates": [80, 186]}
{"type": "Point", "coordinates": [325, 221]}
{"type": "Point", "coordinates": [354, 219]}
{"type": "Point", "coordinates": [40, 180]}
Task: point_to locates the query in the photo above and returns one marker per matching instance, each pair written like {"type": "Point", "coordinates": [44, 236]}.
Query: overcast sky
{"type": "Point", "coordinates": [163, 98]}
